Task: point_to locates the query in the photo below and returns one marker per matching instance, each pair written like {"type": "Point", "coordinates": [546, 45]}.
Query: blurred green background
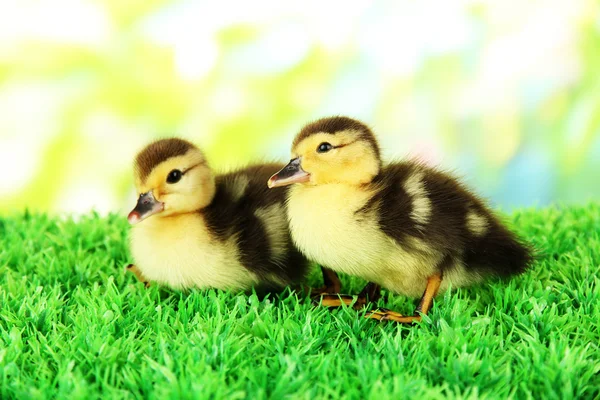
{"type": "Point", "coordinates": [505, 93]}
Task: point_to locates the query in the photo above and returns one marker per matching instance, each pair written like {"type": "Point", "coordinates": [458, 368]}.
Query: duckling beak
{"type": "Point", "coordinates": [146, 206]}
{"type": "Point", "coordinates": [291, 173]}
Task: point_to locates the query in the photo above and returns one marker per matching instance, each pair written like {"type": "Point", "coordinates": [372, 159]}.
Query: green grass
{"type": "Point", "coordinates": [72, 325]}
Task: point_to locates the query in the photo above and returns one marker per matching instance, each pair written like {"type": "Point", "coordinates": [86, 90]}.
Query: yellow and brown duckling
{"type": "Point", "coordinates": [195, 229]}
{"type": "Point", "coordinates": [405, 227]}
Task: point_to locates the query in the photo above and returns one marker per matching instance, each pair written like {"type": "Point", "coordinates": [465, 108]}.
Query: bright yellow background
{"type": "Point", "coordinates": [507, 93]}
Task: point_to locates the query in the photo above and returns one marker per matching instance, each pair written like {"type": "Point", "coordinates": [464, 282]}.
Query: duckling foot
{"type": "Point", "coordinates": [383, 314]}
{"type": "Point", "coordinates": [138, 274]}
{"type": "Point", "coordinates": [335, 300]}
{"type": "Point", "coordinates": [433, 285]}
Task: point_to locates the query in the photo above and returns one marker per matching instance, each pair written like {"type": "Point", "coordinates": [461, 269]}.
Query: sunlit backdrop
{"type": "Point", "coordinates": [505, 93]}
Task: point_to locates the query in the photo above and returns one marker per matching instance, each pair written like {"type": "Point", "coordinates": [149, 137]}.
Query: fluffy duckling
{"type": "Point", "coordinates": [195, 229]}
{"type": "Point", "coordinates": [405, 227]}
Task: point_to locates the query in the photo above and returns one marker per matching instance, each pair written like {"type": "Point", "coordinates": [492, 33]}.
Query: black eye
{"type": "Point", "coordinates": [324, 147]}
{"type": "Point", "coordinates": [174, 176]}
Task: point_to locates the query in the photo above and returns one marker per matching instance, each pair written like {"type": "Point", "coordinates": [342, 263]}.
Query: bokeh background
{"type": "Point", "coordinates": [506, 93]}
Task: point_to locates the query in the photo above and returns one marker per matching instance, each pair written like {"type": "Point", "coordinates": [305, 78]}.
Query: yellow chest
{"type": "Point", "coordinates": [323, 224]}
{"type": "Point", "coordinates": [179, 252]}
{"type": "Point", "coordinates": [326, 228]}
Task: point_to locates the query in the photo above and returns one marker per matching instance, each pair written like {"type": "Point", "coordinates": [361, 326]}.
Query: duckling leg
{"type": "Point", "coordinates": [138, 274]}
{"type": "Point", "coordinates": [331, 281]}
{"type": "Point", "coordinates": [433, 285]}
{"type": "Point", "coordinates": [431, 290]}
{"type": "Point", "coordinates": [371, 292]}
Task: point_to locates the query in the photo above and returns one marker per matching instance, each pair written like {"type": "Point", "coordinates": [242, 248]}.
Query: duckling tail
{"type": "Point", "coordinates": [499, 252]}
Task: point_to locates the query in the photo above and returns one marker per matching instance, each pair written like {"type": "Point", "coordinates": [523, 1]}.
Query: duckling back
{"type": "Point", "coordinates": [415, 201]}
{"type": "Point", "coordinates": [246, 211]}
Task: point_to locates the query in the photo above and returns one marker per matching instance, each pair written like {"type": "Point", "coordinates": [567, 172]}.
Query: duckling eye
{"type": "Point", "coordinates": [174, 176]}
{"type": "Point", "coordinates": [324, 147]}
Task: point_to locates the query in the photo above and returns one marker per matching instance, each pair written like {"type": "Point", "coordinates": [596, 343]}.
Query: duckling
{"type": "Point", "coordinates": [405, 227]}
{"type": "Point", "coordinates": [192, 228]}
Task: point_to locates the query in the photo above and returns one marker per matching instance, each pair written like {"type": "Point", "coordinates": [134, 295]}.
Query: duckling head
{"type": "Point", "coordinates": [171, 177]}
{"type": "Point", "coordinates": [331, 150]}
